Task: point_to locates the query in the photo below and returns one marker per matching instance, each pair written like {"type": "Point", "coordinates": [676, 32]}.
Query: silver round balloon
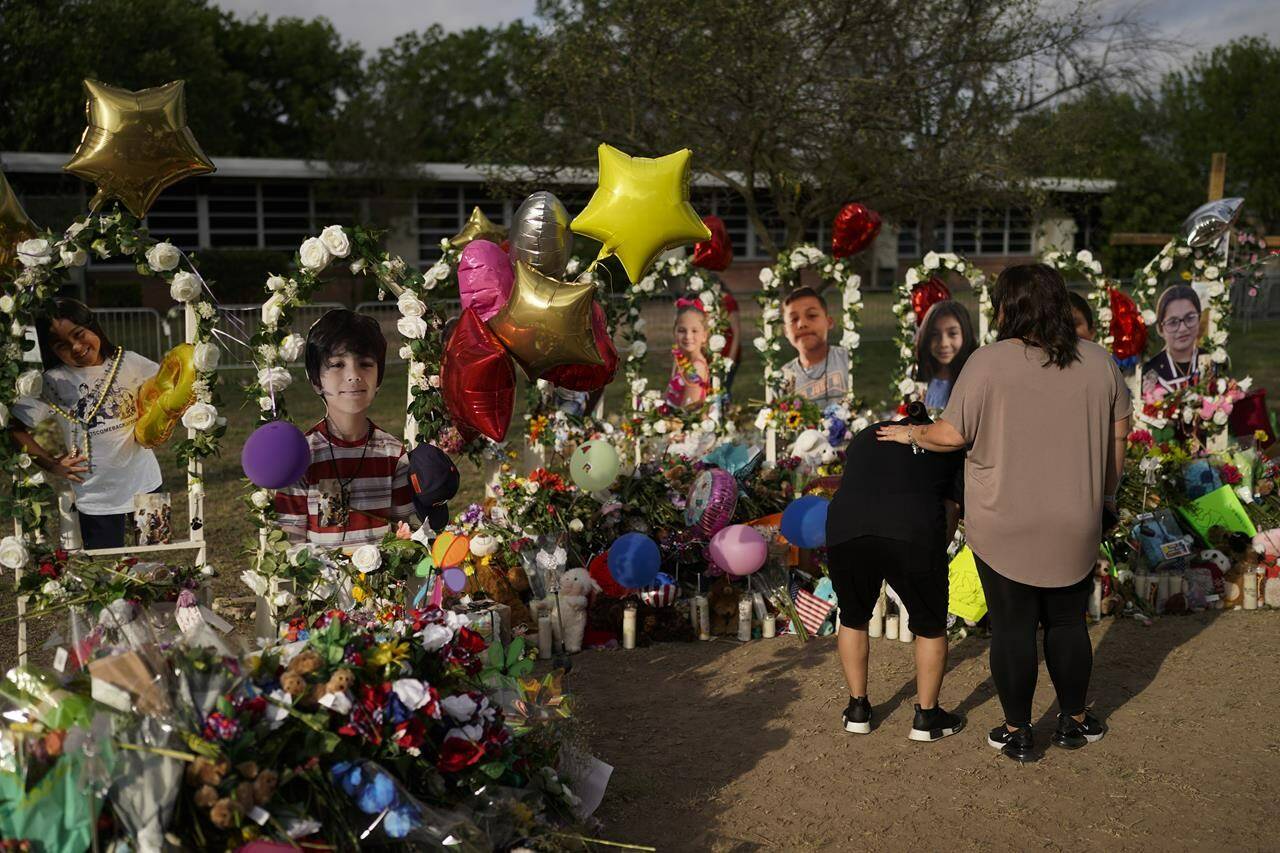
{"type": "Point", "coordinates": [1210, 221]}
{"type": "Point", "coordinates": [540, 234]}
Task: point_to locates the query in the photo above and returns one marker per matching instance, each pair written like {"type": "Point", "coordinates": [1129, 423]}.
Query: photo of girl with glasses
{"type": "Point", "coordinates": [1181, 361]}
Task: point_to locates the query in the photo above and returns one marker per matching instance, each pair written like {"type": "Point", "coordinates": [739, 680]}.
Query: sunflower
{"type": "Point", "coordinates": [794, 419]}
{"type": "Point", "coordinates": [389, 654]}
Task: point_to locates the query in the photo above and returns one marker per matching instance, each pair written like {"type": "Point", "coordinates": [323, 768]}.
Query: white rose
{"type": "Point", "coordinates": [274, 379]}
{"type": "Point", "coordinates": [4, 416]}
{"type": "Point", "coordinates": [850, 340]}
{"type": "Point", "coordinates": [37, 479]}
{"type": "Point", "coordinates": [1220, 417]}
{"type": "Point", "coordinates": [75, 257]}
{"type": "Point", "coordinates": [531, 487]}
{"type": "Point", "coordinates": [575, 525]}
{"type": "Point", "coordinates": [638, 349]}
{"type": "Point", "coordinates": [1211, 273]}
{"type": "Point", "coordinates": [639, 325]}
{"type": "Point", "coordinates": [35, 253]}
{"type": "Point", "coordinates": [275, 282]}
{"type": "Point", "coordinates": [24, 460]}
{"type": "Point", "coordinates": [1096, 266]}
{"type": "Point", "coordinates": [660, 427]}
{"type": "Point", "coordinates": [906, 386]}
{"type": "Point", "coordinates": [1219, 356]}
{"type": "Point", "coordinates": [7, 304]}
{"type": "Point", "coordinates": [417, 373]}
{"type": "Point", "coordinates": [1149, 317]}
{"type": "Point", "coordinates": [184, 287]}
{"type": "Point", "coordinates": [410, 305]}
{"type": "Point", "coordinates": [413, 328]}
{"type": "Point", "coordinates": [357, 266]}
{"type": "Point", "coordinates": [30, 383]}
{"type": "Point", "coordinates": [291, 347]}
{"type": "Point", "coordinates": [163, 257]}
{"type": "Point", "coordinates": [931, 261]}
{"type": "Point", "coordinates": [13, 553]}
{"type": "Point", "coordinates": [411, 692]}
{"type": "Point", "coordinates": [1152, 281]}
{"type": "Point", "coordinates": [271, 310]}
{"type": "Point", "coordinates": [205, 357]}
{"type": "Point", "coordinates": [314, 255]}
{"type": "Point", "coordinates": [201, 416]}
{"type": "Point", "coordinates": [336, 241]}
{"type": "Point", "coordinates": [262, 499]}
{"type": "Point", "coordinates": [434, 636]}
{"type": "Point", "coordinates": [405, 352]}
{"type": "Point", "coordinates": [913, 277]}
{"type": "Point", "coordinates": [1084, 256]}
{"type": "Point", "coordinates": [439, 272]}
{"type": "Point", "coordinates": [1216, 289]}
{"type": "Point", "coordinates": [482, 545]}
{"type": "Point", "coordinates": [695, 283]}
{"type": "Point", "coordinates": [266, 404]}
{"type": "Point", "coordinates": [707, 425]}
{"type": "Point", "coordinates": [367, 558]}
{"type": "Point", "coordinates": [52, 589]}
{"type": "Point", "coordinates": [459, 706]}
{"type": "Point", "coordinates": [761, 344]}
{"type": "Point", "coordinates": [1166, 264]}
{"type": "Point", "coordinates": [766, 276]}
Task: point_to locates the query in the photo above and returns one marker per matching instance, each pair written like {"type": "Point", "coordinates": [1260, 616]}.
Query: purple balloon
{"type": "Point", "coordinates": [485, 278]}
{"type": "Point", "coordinates": [455, 579]}
{"type": "Point", "coordinates": [275, 455]}
{"type": "Point", "coordinates": [739, 549]}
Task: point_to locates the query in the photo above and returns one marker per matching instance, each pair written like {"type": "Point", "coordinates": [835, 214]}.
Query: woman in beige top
{"type": "Point", "coordinates": [1044, 416]}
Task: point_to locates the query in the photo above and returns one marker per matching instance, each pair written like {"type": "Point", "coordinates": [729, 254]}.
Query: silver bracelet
{"type": "Point", "coordinates": [911, 437]}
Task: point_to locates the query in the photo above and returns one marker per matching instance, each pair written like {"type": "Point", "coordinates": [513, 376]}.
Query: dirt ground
{"type": "Point", "coordinates": [735, 747]}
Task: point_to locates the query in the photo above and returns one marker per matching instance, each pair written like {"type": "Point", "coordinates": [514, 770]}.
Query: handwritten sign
{"type": "Point", "coordinates": [1219, 508]}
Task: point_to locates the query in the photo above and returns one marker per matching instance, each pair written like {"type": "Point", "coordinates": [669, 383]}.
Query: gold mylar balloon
{"type": "Point", "coordinates": [478, 227]}
{"type": "Point", "coordinates": [15, 226]}
{"type": "Point", "coordinates": [136, 144]}
{"type": "Point", "coordinates": [641, 208]}
{"type": "Point", "coordinates": [164, 398]}
{"type": "Point", "coordinates": [546, 323]}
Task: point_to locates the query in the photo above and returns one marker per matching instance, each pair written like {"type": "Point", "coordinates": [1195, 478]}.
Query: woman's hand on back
{"type": "Point", "coordinates": [72, 466]}
{"type": "Point", "coordinates": [896, 434]}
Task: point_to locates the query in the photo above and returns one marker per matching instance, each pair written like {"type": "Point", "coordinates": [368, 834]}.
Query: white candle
{"type": "Point", "coordinates": [693, 611]}
{"type": "Point", "coordinates": [1164, 590]}
{"type": "Point", "coordinates": [544, 637]}
{"type": "Point", "coordinates": [891, 626]}
{"type": "Point", "coordinates": [744, 619]}
{"type": "Point", "coordinates": [770, 626]}
{"type": "Point", "coordinates": [875, 625]}
{"type": "Point", "coordinates": [1249, 581]}
{"type": "Point", "coordinates": [629, 627]}
{"type": "Point", "coordinates": [704, 618]}
{"type": "Point", "coordinates": [1095, 600]}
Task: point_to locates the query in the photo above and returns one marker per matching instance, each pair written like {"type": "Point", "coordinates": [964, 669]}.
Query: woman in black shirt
{"type": "Point", "coordinates": [891, 519]}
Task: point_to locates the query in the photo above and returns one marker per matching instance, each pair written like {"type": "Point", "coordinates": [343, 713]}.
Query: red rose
{"type": "Point", "coordinates": [1231, 475]}
{"type": "Point", "coordinates": [48, 570]}
{"type": "Point", "coordinates": [458, 753]}
{"type": "Point", "coordinates": [470, 641]}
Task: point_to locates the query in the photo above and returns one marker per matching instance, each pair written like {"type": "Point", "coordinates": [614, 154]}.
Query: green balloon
{"type": "Point", "coordinates": [594, 465]}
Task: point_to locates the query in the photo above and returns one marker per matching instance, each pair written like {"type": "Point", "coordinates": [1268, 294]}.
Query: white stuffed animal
{"type": "Point", "coordinates": [569, 619]}
{"type": "Point", "coordinates": [813, 449]}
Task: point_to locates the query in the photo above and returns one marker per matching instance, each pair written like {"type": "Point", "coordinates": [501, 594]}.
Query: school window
{"type": "Point", "coordinates": [175, 217]}
{"type": "Point", "coordinates": [233, 215]}
{"type": "Point", "coordinates": [439, 216]}
{"type": "Point", "coordinates": [908, 240]}
{"type": "Point", "coordinates": [286, 215]}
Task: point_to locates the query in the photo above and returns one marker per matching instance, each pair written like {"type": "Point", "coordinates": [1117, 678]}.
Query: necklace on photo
{"type": "Point", "coordinates": [342, 514]}
{"type": "Point", "coordinates": [80, 424]}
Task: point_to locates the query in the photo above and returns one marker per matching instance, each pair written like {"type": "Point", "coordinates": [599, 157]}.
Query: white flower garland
{"type": "Point", "coordinates": [1216, 301]}
{"type": "Point", "coordinates": [907, 385]}
{"type": "Point", "coordinates": [1084, 265]}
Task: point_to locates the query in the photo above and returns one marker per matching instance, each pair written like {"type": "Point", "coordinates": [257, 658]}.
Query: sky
{"type": "Point", "coordinates": [376, 23]}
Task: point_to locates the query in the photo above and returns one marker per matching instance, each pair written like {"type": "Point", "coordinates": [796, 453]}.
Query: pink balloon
{"type": "Point", "coordinates": [739, 550]}
{"type": "Point", "coordinates": [485, 278]}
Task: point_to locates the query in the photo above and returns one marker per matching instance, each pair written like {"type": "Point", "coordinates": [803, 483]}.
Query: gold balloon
{"type": "Point", "coordinates": [164, 398]}
{"type": "Point", "coordinates": [641, 208]}
{"type": "Point", "coordinates": [478, 227]}
{"type": "Point", "coordinates": [546, 323]}
{"type": "Point", "coordinates": [136, 144]}
{"type": "Point", "coordinates": [15, 226]}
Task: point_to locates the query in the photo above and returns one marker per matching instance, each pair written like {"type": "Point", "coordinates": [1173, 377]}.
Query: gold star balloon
{"type": "Point", "coordinates": [478, 227]}
{"type": "Point", "coordinates": [136, 144]}
{"type": "Point", "coordinates": [15, 226]}
{"type": "Point", "coordinates": [641, 208]}
{"type": "Point", "coordinates": [546, 323]}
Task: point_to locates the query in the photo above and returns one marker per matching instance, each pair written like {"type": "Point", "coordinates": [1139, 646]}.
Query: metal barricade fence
{"type": "Point", "coordinates": [136, 329]}
{"type": "Point", "coordinates": [387, 315]}
{"type": "Point", "coordinates": [238, 323]}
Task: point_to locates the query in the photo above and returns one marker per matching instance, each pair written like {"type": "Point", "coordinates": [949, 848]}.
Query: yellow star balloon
{"type": "Point", "coordinates": [15, 226]}
{"type": "Point", "coordinates": [136, 144]}
{"type": "Point", "coordinates": [546, 323]}
{"type": "Point", "coordinates": [641, 208]}
{"type": "Point", "coordinates": [478, 227]}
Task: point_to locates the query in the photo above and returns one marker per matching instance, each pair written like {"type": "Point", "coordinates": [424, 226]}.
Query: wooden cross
{"type": "Point", "coordinates": [1217, 180]}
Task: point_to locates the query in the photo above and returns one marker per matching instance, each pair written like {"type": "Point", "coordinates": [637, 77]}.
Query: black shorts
{"type": "Point", "coordinates": [918, 574]}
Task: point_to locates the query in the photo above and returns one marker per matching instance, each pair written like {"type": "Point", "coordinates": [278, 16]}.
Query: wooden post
{"type": "Point", "coordinates": [195, 470]}
{"type": "Point", "coordinates": [1217, 175]}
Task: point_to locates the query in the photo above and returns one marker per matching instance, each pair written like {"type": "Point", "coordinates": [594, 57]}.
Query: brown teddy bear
{"type": "Point", "coordinates": [722, 600]}
{"type": "Point", "coordinates": [496, 582]}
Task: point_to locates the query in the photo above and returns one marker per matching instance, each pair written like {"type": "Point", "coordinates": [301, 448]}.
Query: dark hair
{"type": "Point", "coordinates": [805, 292]}
{"type": "Point", "coordinates": [917, 414]}
{"type": "Point", "coordinates": [79, 314]}
{"type": "Point", "coordinates": [1079, 303]}
{"type": "Point", "coordinates": [926, 365]}
{"type": "Point", "coordinates": [342, 330]}
{"type": "Point", "coordinates": [1031, 305]}
{"type": "Point", "coordinates": [1171, 294]}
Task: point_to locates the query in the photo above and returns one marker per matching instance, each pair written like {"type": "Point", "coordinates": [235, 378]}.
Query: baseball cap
{"type": "Point", "coordinates": [434, 480]}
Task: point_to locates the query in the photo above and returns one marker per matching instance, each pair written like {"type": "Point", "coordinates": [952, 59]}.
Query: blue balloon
{"type": "Point", "coordinates": [634, 560]}
{"type": "Point", "coordinates": [804, 522]}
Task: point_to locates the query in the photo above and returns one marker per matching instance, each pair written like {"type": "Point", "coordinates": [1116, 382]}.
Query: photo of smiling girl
{"type": "Point", "coordinates": [944, 343]}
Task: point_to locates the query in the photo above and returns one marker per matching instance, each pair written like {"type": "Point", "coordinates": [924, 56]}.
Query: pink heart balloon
{"type": "Point", "coordinates": [485, 277]}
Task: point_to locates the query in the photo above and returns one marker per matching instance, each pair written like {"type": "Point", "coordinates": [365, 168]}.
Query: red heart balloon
{"type": "Point", "coordinates": [854, 229]}
{"type": "Point", "coordinates": [589, 377]}
{"type": "Point", "coordinates": [717, 253]}
{"type": "Point", "coordinates": [1127, 327]}
{"type": "Point", "coordinates": [925, 295]}
{"type": "Point", "coordinates": [477, 379]}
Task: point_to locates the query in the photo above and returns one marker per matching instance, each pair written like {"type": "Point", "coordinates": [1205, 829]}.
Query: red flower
{"type": "Point", "coordinates": [458, 753]}
{"type": "Point", "coordinates": [48, 570]}
{"type": "Point", "coordinates": [411, 734]}
{"type": "Point", "coordinates": [1141, 436]}
{"type": "Point", "coordinates": [1231, 475]}
{"type": "Point", "coordinates": [469, 641]}
{"type": "Point", "coordinates": [60, 555]}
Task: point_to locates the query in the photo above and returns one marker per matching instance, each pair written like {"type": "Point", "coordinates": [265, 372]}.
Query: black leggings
{"type": "Point", "coordinates": [1016, 611]}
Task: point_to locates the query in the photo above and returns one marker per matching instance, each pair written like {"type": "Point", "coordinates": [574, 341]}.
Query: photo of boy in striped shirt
{"type": "Point", "coordinates": [357, 486]}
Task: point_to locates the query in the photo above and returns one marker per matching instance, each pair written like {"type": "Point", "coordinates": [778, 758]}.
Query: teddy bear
{"type": "Point", "coordinates": [813, 450]}
{"type": "Point", "coordinates": [569, 614]}
{"type": "Point", "coordinates": [495, 582]}
{"type": "Point", "coordinates": [722, 601]}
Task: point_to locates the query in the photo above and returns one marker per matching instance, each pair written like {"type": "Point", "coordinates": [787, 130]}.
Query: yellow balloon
{"type": "Point", "coordinates": [449, 549]}
{"type": "Point", "coordinates": [15, 226]}
{"type": "Point", "coordinates": [163, 398]}
{"type": "Point", "coordinates": [136, 144]}
{"type": "Point", "coordinates": [478, 227]}
{"type": "Point", "coordinates": [546, 323]}
{"type": "Point", "coordinates": [641, 208]}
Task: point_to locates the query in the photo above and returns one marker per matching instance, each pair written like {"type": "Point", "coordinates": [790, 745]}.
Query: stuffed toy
{"type": "Point", "coordinates": [722, 600]}
{"type": "Point", "coordinates": [495, 582]}
{"type": "Point", "coordinates": [1233, 581]}
{"type": "Point", "coordinates": [569, 616]}
{"type": "Point", "coordinates": [1268, 542]}
{"type": "Point", "coordinates": [1271, 586]}
{"type": "Point", "coordinates": [813, 451]}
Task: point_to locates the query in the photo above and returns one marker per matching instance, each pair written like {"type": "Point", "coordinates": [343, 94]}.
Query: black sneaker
{"type": "Point", "coordinates": [1073, 735]}
{"type": "Point", "coordinates": [1018, 745]}
{"type": "Point", "coordinates": [934, 724]}
{"type": "Point", "coordinates": [857, 717]}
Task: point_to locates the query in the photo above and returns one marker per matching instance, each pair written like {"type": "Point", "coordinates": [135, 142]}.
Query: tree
{"type": "Point", "coordinates": [801, 105]}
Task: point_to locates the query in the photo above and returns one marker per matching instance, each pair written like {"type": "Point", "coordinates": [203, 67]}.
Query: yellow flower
{"type": "Point", "coordinates": [1186, 275]}
{"type": "Point", "coordinates": [359, 593]}
{"type": "Point", "coordinates": [794, 419]}
{"type": "Point", "coordinates": [389, 653]}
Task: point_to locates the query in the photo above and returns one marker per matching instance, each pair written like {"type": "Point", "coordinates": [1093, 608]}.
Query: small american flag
{"type": "Point", "coordinates": [813, 610]}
